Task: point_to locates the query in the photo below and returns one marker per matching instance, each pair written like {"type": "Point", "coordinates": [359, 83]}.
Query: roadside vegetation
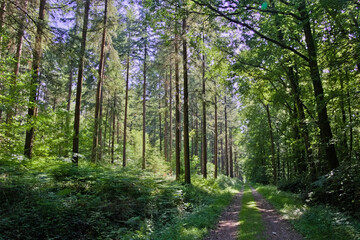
{"type": "Point", "coordinates": [52, 199]}
{"type": "Point", "coordinates": [313, 221]}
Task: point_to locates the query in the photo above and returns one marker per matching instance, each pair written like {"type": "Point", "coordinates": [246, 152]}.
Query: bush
{"type": "Point", "coordinates": [339, 188]}
{"type": "Point", "coordinates": [297, 185]}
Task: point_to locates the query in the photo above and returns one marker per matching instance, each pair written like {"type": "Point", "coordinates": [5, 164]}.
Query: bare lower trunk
{"type": "Point", "coordinates": [226, 144]}
{"type": "Point", "coordinates": [166, 116]}
{"type": "Point", "coordinates": [126, 106]}
{"type": "Point", "coordinates": [203, 142]}
{"type": "Point", "coordinates": [231, 169]}
{"type": "Point", "coordinates": [215, 141]}
{"type": "Point", "coordinates": [32, 111]}
{"type": "Point", "coordinates": [144, 113]}
{"type": "Point", "coordinates": [170, 116]}
{"type": "Point", "coordinates": [186, 109]}
{"type": "Point", "coordinates": [98, 91]}
{"type": "Point", "coordinates": [113, 129]}
{"type": "Point", "coordinates": [177, 108]}
{"type": "Point", "coordinates": [79, 85]}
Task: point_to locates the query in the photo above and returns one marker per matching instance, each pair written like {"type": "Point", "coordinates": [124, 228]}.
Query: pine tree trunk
{"type": "Point", "coordinates": [144, 112]}
{"type": "Point", "coordinates": [170, 115]}
{"type": "Point", "coordinates": [231, 154]}
{"type": "Point", "coordinates": [203, 142]}
{"type": "Point", "coordinates": [215, 140]}
{"type": "Point", "coordinates": [126, 106]}
{"type": "Point", "coordinates": [79, 85]}
{"type": "Point", "coordinates": [177, 106]}
{"type": "Point", "coordinates": [321, 109]}
{"type": "Point", "coordinates": [226, 143]}
{"type": "Point", "coordinates": [186, 109]}
{"type": "Point", "coordinates": [113, 129]}
{"type": "Point", "coordinates": [32, 111]}
{"type": "Point", "coordinates": [98, 91]}
{"type": "Point", "coordinates": [160, 120]}
{"type": "Point", "coordinates": [166, 116]}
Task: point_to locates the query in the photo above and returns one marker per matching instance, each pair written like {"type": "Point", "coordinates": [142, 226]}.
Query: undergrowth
{"type": "Point", "coordinates": [317, 222]}
{"type": "Point", "coordinates": [52, 199]}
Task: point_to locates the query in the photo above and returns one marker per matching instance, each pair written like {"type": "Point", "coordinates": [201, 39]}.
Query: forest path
{"type": "Point", "coordinates": [276, 227]}
{"type": "Point", "coordinates": [228, 225]}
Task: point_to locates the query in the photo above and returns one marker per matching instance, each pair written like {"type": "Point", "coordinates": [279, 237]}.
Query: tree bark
{"type": "Point", "coordinates": [186, 109]}
{"type": "Point", "coordinates": [321, 109]}
{"type": "Point", "coordinates": [113, 129]}
{"type": "Point", "coordinates": [126, 106]}
{"type": "Point", "coordinates": [32, 110]}
{"type": "Point", "coordinates": [226, 143]}
{"type": "Point", "coordinates": [144, 112]}
{"type": "Point", "coordinates": [170, 115]}
{"type": "Point", "coordinates": [231, 168]}
{"type": "Point", "coordinates": [98, 91]}
{"type": "Point", "coordinates": [215, 141]}
{"type": "Point", "coordinates": [203, 142]}
{"type": "Point", "coordinates": [177, 106]}
{"type": "Point", "coordinates": [75, 158]}
{"type": "Point", "coordinates": [273, 161]}
{"type": "Point", "coordinates": [166, 116]}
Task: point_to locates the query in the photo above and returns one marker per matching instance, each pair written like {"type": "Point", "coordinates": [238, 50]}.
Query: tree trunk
{"type": "Point", "coordinates": [170, 115]}
{"type": "Point", "coordinates": [113, 129]}
{"type": "Point", "coordinates": [226, 143]}
{"type": "Point", "coordinates": [321, 109]}
{"type": "Point", "coordinates": [186, 109]}
{"type": "Point", "coordinates": [166, 116]}
{"type": "Point", "coordinates": [32, 111]}
{"type": "Point", "coordinates": [203, 142]}
{"type": "Point", "coordinates": [126, 106]}
{"type": "Point", "coordinates": [98, 91]}
{"type": "Point", "coordinates": [144, 112]}
{"type": "Point", "coordinates": [160, 120]}
{"type": "Point", "coordinates": [231, 169]}
{"type": "Point", "coordinates": [79, 85]}
{"type": "Point", "coordinates": [294, 83]}
{"type": "Point", "coordinates": [215, 141]}
{"type": "Point", "coordinates": [273, 161]}
{"type": "Point", "coordinates": [177, 106]}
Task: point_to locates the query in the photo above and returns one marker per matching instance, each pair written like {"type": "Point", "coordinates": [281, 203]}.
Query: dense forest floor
{"type": "Point", "coordinates": [52, 199]}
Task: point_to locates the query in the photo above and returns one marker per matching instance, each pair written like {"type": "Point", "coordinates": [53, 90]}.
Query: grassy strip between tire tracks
{"type": "Point", "coordinates": [251, 225]}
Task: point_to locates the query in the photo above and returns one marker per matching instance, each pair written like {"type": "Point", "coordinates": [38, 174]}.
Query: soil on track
{"type": "Point", "coordinates": [276, 227]}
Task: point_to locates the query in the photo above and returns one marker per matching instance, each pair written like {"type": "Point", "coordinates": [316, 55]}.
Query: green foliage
{"type": "Point", "coordinates": [48, 198]}
{"type": "Point", "coordinates": [339, 188]}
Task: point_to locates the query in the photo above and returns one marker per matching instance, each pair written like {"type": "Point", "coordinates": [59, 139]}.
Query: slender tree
{"type": "Point", "coordinates": [203, 134]}
{"type": "Point", "coordinates": [126, 106]}
{"type": "Point", "coordinates": [186, 109]}
{"type": "Point", "coordinates": [215, 139]}
{"type": "Point", "coordinates": [32, 110]}
{"type": "Point", "coordinates": [95, 150]}
{"type": "Point", "coordinates": [177, 106]}
{"type": "Point", "coordinates": [75, 158]}
{"type": "Point", "coordinates": [144, 110]}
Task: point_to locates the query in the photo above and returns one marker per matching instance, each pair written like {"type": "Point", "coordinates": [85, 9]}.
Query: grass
{"type": "Point", "coordinates": [251, 225]}
{"type": "Point", "coordinates": [313, 222]}
{"type": "Point", "coordinates": [51, 199]}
